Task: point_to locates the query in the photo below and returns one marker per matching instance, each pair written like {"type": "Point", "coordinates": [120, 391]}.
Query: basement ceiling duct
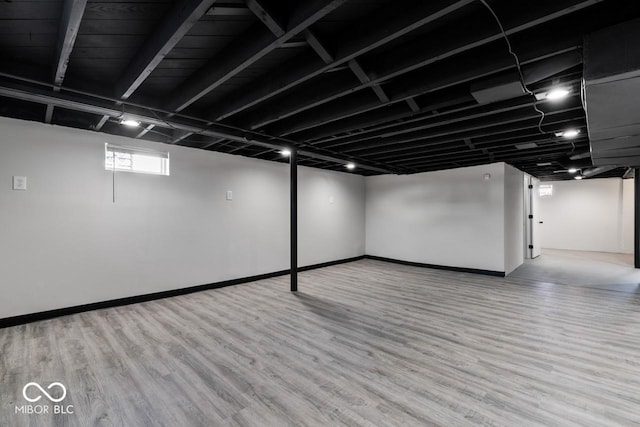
{"type": "Point", "coordinates": [612, 91]}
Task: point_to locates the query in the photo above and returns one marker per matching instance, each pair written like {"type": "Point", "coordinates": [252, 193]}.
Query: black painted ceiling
{"type": "Point", "coordinates": [386, 84]}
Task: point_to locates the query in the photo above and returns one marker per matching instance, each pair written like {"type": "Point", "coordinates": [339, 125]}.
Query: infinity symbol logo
{"type": "Point", "coordinates": [43, 391]}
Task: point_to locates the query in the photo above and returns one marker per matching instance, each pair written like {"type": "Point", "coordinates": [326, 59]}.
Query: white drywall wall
{"type": "Point", "coordinates": [513, 218]}
{"type": "Point", "coordinates": [330, 216]}
{"type": "Point", "coordinates": [451, 218]}
{"type": "Point", "coordinates": [589, 215]}
{"type": "Point", "coordinates": [64, 242]}
{"type": "Point", "coordinates": [627, 227]}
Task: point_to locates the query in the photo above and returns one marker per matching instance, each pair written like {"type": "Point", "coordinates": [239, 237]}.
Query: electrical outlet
{"type": "Point", "coordinates": [20, 183]}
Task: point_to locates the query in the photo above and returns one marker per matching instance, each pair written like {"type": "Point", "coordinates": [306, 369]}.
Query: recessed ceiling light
{"type": "Point", "coordinates": [544, 164]}
{"type": "Point", "coordinates": [350, 166]}
{"type": "Point", "coordinates": [557, 93]}
{"type": "Point", "coordinates": [572, 170]}
{"type": "Point", "coordinates": [285, 153]}
{"type": "Point", "coordinates": [577, 177]}
{"type": "Point", "coordinates": [129, 122]}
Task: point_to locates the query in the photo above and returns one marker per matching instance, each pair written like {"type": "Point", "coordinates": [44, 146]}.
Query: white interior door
{"type": "Point", "coordinates": [534, 217]}
{"type": "Point", "coordinates": [527, 210]}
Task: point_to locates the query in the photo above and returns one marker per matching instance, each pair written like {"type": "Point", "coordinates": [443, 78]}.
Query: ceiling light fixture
{"type": "Point", "coordinates": [572, 170]}
{"type": "Point", "coordinates": [557, 93]}
{"type": "Point", "coordinates": [350, 166]}
{"type": "Point", "coordinates": [285, 153]}
{"type": "Point", "coordinates": [569, 133]}
{"type": "Point", "coordinates": [130, 123]}
{"type": "Point", "coordinates": [578, 177]}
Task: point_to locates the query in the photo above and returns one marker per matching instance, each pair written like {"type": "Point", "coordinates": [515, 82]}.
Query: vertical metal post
{"type": "Point", "coordinates": [636, 223]}
{"type": "Point", "coordinates": [293, 187]}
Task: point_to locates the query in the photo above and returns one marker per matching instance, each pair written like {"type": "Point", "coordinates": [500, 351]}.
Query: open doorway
{"type": "Point", "coordinates": [580, 232]}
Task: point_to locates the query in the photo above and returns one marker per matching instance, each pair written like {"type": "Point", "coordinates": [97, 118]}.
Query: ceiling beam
{"type": "Point", "coordinates": [103, 120]}
{"type": "Point", "coordinates": [461, 150]}
{"type": "Point", "coordinates": [411, 102]}
{"type": "Point", "coordinates": [477, 64]}
{"type": "Point", "coordinates": [407, 149]}
{"type": "Point", "coordinates": [387, 114]}
{"type": "Point", "coordinates": [450, 117]}
{"type": "Point", "coordinates": [446, 47]}
{"type": "Point", "coordinates": [506, 123]}
{"type": "Point", "coordinates": [375, 31]}
{"type": "Point", "coordinates": [481, 33]}
{"type": "Point", "coordinates": [461, 101]}
{"type": "Point", "coordinates": [262, 12]}
{"type": "Point", "coordinates": [144, 131]}
{"type": "Point", "coordinates": [318, 47]}
{"type": "Point", "coordinates": [245, 51]}
{"type": "Point", "coordinates": [48, 114]}
{"type": "Point", "coordinates": [164, 119]}
{"type": "Point", "coordinates": [423, 122]}
{"type": "Point", "coordinates": [498, 135]}
{"type": "Point", "coordinates": [364, 78]}
{"type": "Point", "coordinates": [529, 154]}
{"type": "Point", "coordinates": [72, 12]}
{"type": "Point", "coordinates": [177, 21]}
{"type": "Point", "coordinates": [452, 72]}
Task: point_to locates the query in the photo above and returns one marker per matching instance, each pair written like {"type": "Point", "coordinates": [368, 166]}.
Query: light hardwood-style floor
{"type": "Point", "coordinates": [610, 270]}
{"type": "Point", "coordinates": [366, 343]}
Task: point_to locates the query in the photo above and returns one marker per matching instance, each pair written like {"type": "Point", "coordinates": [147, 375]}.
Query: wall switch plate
{"type": "Point", "coordinates": [20, 183]}
{"type": "Point", "coordinates": [229, 195]}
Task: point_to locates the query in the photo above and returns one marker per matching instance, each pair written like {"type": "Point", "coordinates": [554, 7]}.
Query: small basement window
{"type": "Point", "coordinates": [133, 159]}
{"type": "Point", "coordinates": [546, 190]}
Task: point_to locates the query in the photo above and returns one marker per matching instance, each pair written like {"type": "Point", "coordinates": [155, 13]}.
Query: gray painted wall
{"type": "Point", "coordinates": [64, 242]}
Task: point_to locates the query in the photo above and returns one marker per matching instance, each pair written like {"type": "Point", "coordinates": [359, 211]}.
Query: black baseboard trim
{"type": "Point", "coordinates": [50, 314]}
{"type": "Point", "coordinates": [438, 267]}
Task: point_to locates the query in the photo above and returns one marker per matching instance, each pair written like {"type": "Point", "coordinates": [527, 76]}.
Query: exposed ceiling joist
{"type": "Point", "coordinates": [144, 131]}
{"type": "Point", "coordinates": [245, 51]}
{"type": "Point", "coordinates": [447, 47]}
{"type": "Point", "coordinates": [262, 12]}
{"type": "Point", "coordinates": [319, 47]}
{"type": "Point", "coordinates": [506, 124]}
{"type": "Point", "coordinates": [458, 115]}
{"type": "Point", "coordinates": [388, 114]}
{"type": "Point", "coordinates": [375, 31]}
{"type": "Point", "coordinates": [72, 13]}
{"type": "Point", "coordinates": [176, 23]}
{"type": "Point", "coordinates": [438, 77]}
{"type": "Point", "coordinates": [48, 115]}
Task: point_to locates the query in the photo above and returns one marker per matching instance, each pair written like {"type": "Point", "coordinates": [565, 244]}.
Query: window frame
{"type": "Point", "coordinates": [165, 167]}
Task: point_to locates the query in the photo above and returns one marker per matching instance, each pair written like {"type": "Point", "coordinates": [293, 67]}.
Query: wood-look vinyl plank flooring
{"type": "Point", "coordinates": [367, 343]}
